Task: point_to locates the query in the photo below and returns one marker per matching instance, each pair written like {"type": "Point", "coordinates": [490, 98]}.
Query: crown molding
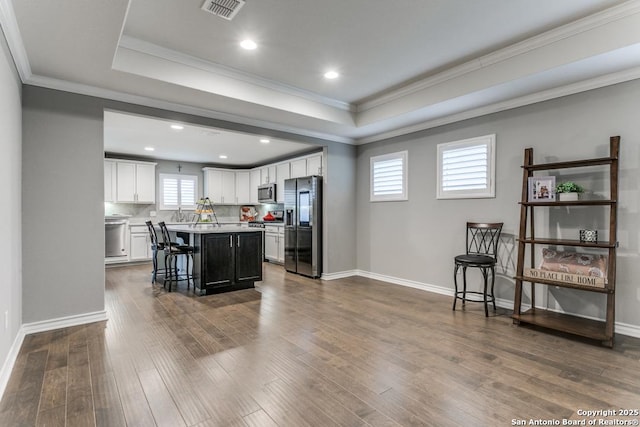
{"type": "Point", "coordinates": [571, 89]}
{"type": "Point", "coordinates": [552, 36]}
{"type": "Point", "coordinates": [147, 48]}
{"type": "Point", "coordinates": [11, 31]}
{"type": "Point", "coordinates": [67, 86]}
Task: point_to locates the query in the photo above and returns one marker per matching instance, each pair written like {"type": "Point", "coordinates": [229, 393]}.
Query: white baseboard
{"type": "Point", "coordinates": [620, 328]}
{"type": "Point", "coordinates": [10, 361]}
{"type": "Point", "coordinates": [339, 275]}
{"type": "Point", "coordinates": [42, 326]}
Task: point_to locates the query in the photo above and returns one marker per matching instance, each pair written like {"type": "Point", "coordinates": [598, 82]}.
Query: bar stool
{"type": "Point", "coordinates": [172, 251]}
{"type": "Point", "coordinates": [155, 247]}
{"type": "Point", "coordinates": [482, 253]}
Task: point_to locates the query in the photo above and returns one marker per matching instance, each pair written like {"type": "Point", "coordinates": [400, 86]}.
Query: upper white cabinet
{"type": "Point", "coordinates": [239, 187]}
{"type": "Point", "coordinates": [243, 187]}
{"type": "Point", "coordinates": [220, 185]}
{"type": "Point", "coordinates": [282, 172]}
{"type": "Point", "coordinates": [298, 168]}
{"type": "Point", "coordinates": [314, 165]}
{"type": "Point", "coordinates": [110, 181]}
{"type": "Point", "coordinates": [268, 174]}
{"type": "Point", "coordinates": [254, 183]}
{"type": "Point", "coordinates": [135, 182]}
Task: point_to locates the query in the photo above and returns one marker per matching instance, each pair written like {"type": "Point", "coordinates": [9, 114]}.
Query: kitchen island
{"type": "Point", "coordinates": [226, 258]}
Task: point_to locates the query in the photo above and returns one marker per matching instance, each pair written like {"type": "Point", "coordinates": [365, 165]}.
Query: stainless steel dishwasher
{"type": "Point", "coordinates": [115, 236]}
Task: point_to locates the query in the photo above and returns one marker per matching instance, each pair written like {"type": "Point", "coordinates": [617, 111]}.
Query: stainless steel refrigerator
{"type": "Point", "coordinates": [303, 225]}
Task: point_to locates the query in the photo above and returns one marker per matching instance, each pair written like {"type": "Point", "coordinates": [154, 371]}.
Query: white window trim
{"type": "Point", "coordinates": [490, 191]}
{"type": "Point", "coordinates": [162, 177]}
{"type": "Point", "coordinates": [404, 156]}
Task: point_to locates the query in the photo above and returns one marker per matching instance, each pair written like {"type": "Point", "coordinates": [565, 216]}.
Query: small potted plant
{"type": "Point", "coordinates": [568, 191]}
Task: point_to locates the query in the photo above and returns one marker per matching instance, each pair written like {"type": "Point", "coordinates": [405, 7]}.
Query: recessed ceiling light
{"type": "Point", "coordinates": [177, 127]}
{"type": "Point", "coordinates": [149, 149]}
{"type": "Point", "coordinates": [331, 75]}
{"type": "Point", "coordinates": [265, 140]}
{"type": "Point", "coordinates": [248, 44]}
{"type": "Point", "coordinates": [222, 156]}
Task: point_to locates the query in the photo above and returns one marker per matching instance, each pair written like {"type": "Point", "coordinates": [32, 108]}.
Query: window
{"type": "Point", "coordinates": [389, 177]}
{"type": "Point", "coordinates": [178, 191]}
{"type": "Point", "coordinates": [466, 168]}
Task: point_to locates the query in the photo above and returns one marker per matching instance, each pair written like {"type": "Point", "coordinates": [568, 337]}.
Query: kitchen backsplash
{"type": "Point", "coordinates": [225, 213]}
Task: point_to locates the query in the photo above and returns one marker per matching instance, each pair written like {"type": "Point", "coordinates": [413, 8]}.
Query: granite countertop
{"type": "Point", "coordinates": [211, 228]}
{"type": "Point", "coordinates": [141, 221]}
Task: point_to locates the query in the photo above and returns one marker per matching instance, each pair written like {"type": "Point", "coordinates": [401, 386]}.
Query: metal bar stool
{"type": "Point", "coordinates": [482, 251]}
{"type": "Point", "coordinates": [155, 247]}
{"type": "Point", "coordinates": [172, 251]}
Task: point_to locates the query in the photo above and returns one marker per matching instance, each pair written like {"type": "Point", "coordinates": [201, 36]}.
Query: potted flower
{"type": "Point", "coordinates": [568, 191]}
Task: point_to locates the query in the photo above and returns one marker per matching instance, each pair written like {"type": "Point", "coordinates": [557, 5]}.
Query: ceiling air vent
{"type": "Point", "coordinates": [226, 9]}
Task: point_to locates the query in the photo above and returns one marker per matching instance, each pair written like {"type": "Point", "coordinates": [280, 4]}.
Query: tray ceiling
{"type": "Point", "coordinates": [412, 66]}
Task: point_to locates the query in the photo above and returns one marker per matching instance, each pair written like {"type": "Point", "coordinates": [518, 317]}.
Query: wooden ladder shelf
{"type": "Point", "coordinates": [599, 330]}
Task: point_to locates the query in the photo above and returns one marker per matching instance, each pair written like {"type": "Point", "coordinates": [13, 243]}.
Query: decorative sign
{"type": "Point", "coordinates": [559, 276]}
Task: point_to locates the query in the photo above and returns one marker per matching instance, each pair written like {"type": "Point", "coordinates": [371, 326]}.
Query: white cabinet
{"type": "Point", "coordinates": [140, 243]}
{"type": "Point", "coordinates": [135, 182]}
{"type": "Point", "coordinates": [271, 246]}
{"type": "Point", "coordinates": [314, 165]}
{"type": "Point", "coordinates": [281, 244]}
{"type": "Point", "coordinates": [254, 182]}
{"type": "Point", "coordinates": [110, 181]}
{"type": "Point", "coordinates": [274, 243]}
{"type": "Point", "coordinates": [298, 168]}
{"type": "Point", "coordinates": [282, 173]}
{"type": "Point", "coordinates": [145, 183]}
{"type": "Point", "coordinates": [243, 187]}
{"type": "Point", "coordinates": [220, 185]}
{"type": "Point", "coordinates": [268, 174]}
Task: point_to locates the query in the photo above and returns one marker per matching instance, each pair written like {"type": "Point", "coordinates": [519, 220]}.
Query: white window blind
{"type": "Point", "coordinates": [178, 191]}
{"type": "Point", "coordinates": [389, 177]}
{"type": "Point", "coordinates": [187, 192]}
{"type": "Point", "coordinates": [466, 168]}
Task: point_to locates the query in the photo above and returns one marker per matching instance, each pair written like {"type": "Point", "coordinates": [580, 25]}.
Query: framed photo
{"type": "Point", "coordinates": [542, 189]}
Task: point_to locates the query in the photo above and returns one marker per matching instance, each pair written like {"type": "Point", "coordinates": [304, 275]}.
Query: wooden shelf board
{"type": "Point", "coordinates": [571, 164]}
{"type": "Point", "coordinates": [567, 242]}
{"type": "Point", "coordinates": [572, 203]}
{"type": "Point", "coordinates": [564, 284]}
{"type": "Point", "coordinates": [566, 323]}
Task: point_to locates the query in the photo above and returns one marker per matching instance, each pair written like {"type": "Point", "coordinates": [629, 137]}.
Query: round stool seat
{"type": "Point", "coordinates": [475, 259]}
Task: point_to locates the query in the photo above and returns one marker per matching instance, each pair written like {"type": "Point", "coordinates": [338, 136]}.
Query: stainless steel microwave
{"type": "Point", "coordinates": [267, 193]}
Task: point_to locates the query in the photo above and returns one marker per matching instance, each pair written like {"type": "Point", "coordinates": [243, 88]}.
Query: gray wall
{"type": "Point", "coordinates": [63, 205]}
{"type": "Point", "coordinates": [63, 238]}
{"type": "Point", "coordinates": [416, 240]}
{"type": "Point", "coordinates": [10, 194]}
{"type": "Point", "coordinates": [340, 208]}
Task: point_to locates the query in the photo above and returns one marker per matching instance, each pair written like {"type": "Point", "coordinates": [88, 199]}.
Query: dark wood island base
{"type": "Point", "coordinates": [225, 258]}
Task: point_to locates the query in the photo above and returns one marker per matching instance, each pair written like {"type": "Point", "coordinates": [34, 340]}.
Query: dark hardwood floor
{"type": "Point", "coordinates": [301, 352]}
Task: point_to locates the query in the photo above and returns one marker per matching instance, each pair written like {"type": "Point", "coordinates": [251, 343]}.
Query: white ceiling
{"type": "Point", "coordinates": [130, 134]}
{"type": "Point", "coordinates": [405, 65]}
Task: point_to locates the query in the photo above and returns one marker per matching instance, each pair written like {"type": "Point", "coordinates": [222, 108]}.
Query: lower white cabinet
{"type": "Point", "coordinates": [281, 244]}
{"type": "Point", "coordinates": [140, 243]}
{"type": "Point", "coordinates": [274, 243]}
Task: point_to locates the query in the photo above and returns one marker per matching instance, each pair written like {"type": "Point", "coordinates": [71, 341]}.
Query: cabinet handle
{"type": "Point", "coordinates": [230, 241]}
{"type": "Point", "coordinates": [238, 240]}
